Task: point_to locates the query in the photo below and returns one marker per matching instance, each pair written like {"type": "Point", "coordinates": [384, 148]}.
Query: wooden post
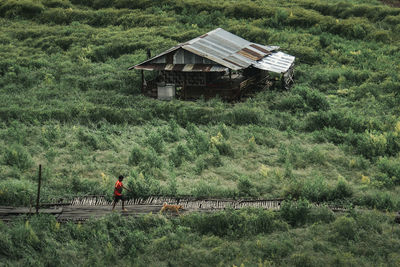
{"type": "Point", "coordinates": [148, 52]}
{"type": "Point", "coordinates": [38, 192]}
{"type": "Point", "coordinates": [142, 74]}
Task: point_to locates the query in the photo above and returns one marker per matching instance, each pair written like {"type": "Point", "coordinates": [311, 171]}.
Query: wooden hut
{"type": "Point", "coordinates": [216, 63]}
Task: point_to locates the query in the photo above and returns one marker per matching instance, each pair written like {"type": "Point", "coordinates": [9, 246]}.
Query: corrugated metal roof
{"type": "Point", "coordinates": [231, 51]}
{"type": "Point", "coordinates": [183, 67]}
{"type": "Point", "coordinates": [276, 62]}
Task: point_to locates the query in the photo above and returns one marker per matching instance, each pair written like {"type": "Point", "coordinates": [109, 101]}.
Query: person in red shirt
{"type": "Point", "coordinates": [118, 192]}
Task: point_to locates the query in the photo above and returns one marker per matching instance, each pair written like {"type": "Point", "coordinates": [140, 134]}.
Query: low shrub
{"type": "Point", "coordinates": [172, 133]}
{"type": "Point", "coordinates": [371, 144]}
{"type": "Point", "coordinates": [246, 188]}
{"type": "Point", "coordinates": [142, 187]}
{"type": "Point", "coordinates": [197, 140]}
{"type": "Point", "coordinates": [305, 54]}
{"type": "Point", "coordinates": [81, 185]}
{"type": "Point", "coordinates": [377, 200]}
{"type": "Point", "coordinates": [344, 121]}
{"type": "Point", "coordinates": [156, 141]}
{"type": "Point", "coordinates": [342, 190]}
{"type": "Point", "coordinates": [380, 36]}
{"type": "Point", "coordinates": [245, 9]}
{"type": "Point", "coordinates": [15, 192]}
{"type": "Point", "coordinates": [345, 228]}
{"type": "Point", "coordinates": [242, 115]}
{"type": "Point", "coordinates": [151, 161]}
{"type": "Point", "coordinates": [235, 223]}
{"type": "Point", "coordinates": [317, 190]}
{"type": "Point", "coordinates": [56, 3]}
{"type": "Point", "coordinates": [390, 167]}
{"type": "Point", "coordinates": [302, 98]}
{"type": "Point", "coordinates": [295, 212]}
{"type": "Point", "coordinates": [23, 8]}
{"type": "Point", "coordinates": [88, 139]}
{"type": "Point", "coordinates": [221, 144]}
{"type": "Point", "coordinates": [17, 156]}
{"type": "Point", "coordinates": [329, 134]}
{"type": "Point", "coordinates": [321, 214]}
{"type": "Point", "coordinates": [200, 165]}
{"type": "Point", "coordinates": [179, 154]}
{"type": "Point", "coordinates": [136, 156]}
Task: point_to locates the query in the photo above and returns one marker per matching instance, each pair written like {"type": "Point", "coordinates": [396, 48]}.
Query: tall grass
{"type": "Point", "coordinates": [69, 103]}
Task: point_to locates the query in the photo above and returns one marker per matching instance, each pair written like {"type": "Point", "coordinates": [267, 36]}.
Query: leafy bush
{"type": "Point", "coordinates": [371, 145]}
{"type": "Point", "coordinates": [343, 121]}
{"type": "Point", "coordinates": [242, 115]}
{"type": "Point", "coordinates": [377, 200]}
{"type": "Point", "coordinates": [150, 162]}
{"type": "Point", "coordinates": [381, 36]}
{"type": "Point", "coordinates": [342, 190]}
{"type": "Point", "coordinates": [246, 187]}
{"type": "Point", "coordinates": [200, 165]}
{"type": "Point", "coordinates": [179, 154]}
{"type": "Point", "coordinates": [156, 141]}
{"type": "Point", "coordinates": [345, 228]}
{"type": "Point", "coordinates": [14, 192]}
{"type": "Point", "coordinates": [56, 3]}
{"type": "Point", "coordinates": [142, 187]}
{"type": "Point", "coordinates": [197, 140]}
{"type": "Point", "coordinates": [391, 167]}
{"type": "Point", "coordinates": [221, 144]}
{"type": "Point", "coordinates": [321, 214]}
{"type": "Point", "coordinates": [329, 134]}
{"type": "Point", "coordinates": [23, 8]}
{"type": "Point", "coordinates": [87, 186]}
{"type": "Point", "coordinates": [295, 212]}
{"type": "Point", "coordinates": [136, 156]}
{"type": "Point", "coordinates": [172, 133]}
{"type": "Point", "coordinates": [302, 98]}
{"type": "Point", "coordinates": [316, 190]}
{"type": "Point", "coordinates": [17, 156]}
{"type": "Point", "coordinates": [233, 223]}
{"type": "Point", "coordinates": [89, 139]}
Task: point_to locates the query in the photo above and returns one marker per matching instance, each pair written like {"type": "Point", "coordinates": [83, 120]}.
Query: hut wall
{"type": "Point", "coordinates": [184, 78]}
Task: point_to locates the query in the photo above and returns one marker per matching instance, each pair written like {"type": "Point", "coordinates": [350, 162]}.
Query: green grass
{"type": "Point", "coordinates": [69, 103]}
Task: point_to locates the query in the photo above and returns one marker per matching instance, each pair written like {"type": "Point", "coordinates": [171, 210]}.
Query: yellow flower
{"type": "Point", "coordinates": [365, 179]}
{"type": "Point", "coordinates": [358, 52]}
{"type": "Point", "coordinates": [352, 163]}
{"type": "Point", "coordinates": [216, 140]}
{"type": "Point", "coordinates": [397, 127]}
{"type": "Point", "coordinates": [252, 140]}
{"type": "Point", "coordinates": [264, 170]}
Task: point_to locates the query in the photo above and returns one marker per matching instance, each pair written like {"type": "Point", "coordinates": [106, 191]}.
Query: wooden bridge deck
{"type": "Point", "coordinates": [83, 208]}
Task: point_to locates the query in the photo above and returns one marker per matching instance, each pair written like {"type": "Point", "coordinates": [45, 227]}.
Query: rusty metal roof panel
{"type": "Point", "coordinates": [231, 51]}
{"type": "Point", "coordinates": [277, 62]}
{"type": "Point", "coordinates": [183, 67]}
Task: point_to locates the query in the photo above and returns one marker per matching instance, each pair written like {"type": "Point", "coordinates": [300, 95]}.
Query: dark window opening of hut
{"type": "Point", "coordinates": [217, 63]}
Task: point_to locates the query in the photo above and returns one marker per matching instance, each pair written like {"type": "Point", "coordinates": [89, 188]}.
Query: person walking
{"type": "Point", "coordinates": [118, 193]}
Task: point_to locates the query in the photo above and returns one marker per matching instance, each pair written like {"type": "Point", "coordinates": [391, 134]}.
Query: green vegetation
{"type": "Point", "coordinates": [68, 102]}
{"type": "Point", "coordinates": [300, 236]}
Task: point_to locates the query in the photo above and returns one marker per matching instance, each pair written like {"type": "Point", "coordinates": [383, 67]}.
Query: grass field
{"type": "Point", "coordinates": [69, 103]}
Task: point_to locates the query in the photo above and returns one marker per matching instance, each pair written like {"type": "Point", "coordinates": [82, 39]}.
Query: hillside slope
{"type": "Point", "coordinates": [69, 103]}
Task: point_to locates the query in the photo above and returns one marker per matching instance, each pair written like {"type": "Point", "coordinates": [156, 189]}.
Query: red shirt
{"type": "Point", "coordinates": [118, 188]}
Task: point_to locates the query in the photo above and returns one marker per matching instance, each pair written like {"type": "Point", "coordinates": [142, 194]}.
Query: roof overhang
{"type": "Point", "coordinates": [278, 62]}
